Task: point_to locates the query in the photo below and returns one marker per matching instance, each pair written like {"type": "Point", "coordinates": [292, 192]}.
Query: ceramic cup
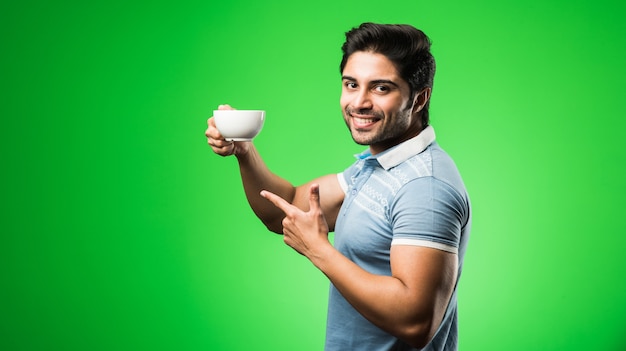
{"type": "Point", "coordinates": [239, 125]}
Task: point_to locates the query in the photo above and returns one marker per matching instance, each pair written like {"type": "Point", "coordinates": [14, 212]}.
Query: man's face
{"type": "Point", "coordinates": [376, 102]}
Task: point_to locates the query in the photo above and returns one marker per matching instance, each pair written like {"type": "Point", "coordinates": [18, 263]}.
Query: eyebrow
{"type": "Point", "coordinates": [377, 81]}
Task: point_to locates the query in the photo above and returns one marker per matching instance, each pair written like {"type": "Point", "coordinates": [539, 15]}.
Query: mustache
{"type": "Point", "coordinates": [364, 111]}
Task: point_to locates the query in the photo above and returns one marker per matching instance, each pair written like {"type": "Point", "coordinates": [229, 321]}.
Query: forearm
{"type": "Point", "coordinates": [256, 176]}
{"type": "Point", "coordinates": [384, 300]}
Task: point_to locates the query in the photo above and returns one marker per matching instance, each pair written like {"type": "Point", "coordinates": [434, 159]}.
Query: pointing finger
{"type": "Point", "coordinates": [277, 201]}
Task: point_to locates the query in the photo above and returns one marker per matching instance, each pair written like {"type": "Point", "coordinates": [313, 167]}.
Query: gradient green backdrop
{"type": "Point", "coordinates": [122, 231]}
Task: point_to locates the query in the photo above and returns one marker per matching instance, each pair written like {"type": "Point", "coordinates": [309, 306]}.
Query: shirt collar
{"type": "Point", "coordinates": [403, 151]}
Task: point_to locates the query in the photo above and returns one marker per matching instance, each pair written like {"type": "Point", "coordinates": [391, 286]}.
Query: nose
{"type": "Point", "coordinates": [362, 100]}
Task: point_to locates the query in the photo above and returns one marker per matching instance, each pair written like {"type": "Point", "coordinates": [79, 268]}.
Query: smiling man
{"type": "Point", "coordinates": [401, 214]}
{"type": "Point", "coordinates": [377, 103]}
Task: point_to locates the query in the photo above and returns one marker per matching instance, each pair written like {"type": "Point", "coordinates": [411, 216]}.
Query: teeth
{"type": "Point", "coordinates": [363, 120]}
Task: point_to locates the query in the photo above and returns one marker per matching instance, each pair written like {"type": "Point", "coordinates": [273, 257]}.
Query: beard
{"type": "Point", "coordinates": [392, 127]}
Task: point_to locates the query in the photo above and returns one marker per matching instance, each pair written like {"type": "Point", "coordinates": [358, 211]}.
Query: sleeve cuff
{"type": "Point", "coordinates": [342, 182]}
{"type": "Point", "coordinates": [425, 243]}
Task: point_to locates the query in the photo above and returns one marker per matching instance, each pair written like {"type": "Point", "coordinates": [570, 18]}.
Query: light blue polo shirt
{"type": "Point", "coordinates": [411, 194]}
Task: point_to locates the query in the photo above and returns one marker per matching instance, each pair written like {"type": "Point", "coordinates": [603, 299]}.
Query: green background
{"type": "Point", "coordinates": [122, 231]}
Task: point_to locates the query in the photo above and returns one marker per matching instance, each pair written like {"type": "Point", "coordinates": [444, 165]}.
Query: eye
{"type": "Point", "coordinates": [350, 85]}
{"type": "Point", "coordinates": [381, 89]}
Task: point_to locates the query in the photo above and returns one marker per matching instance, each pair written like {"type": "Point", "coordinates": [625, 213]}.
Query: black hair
{"type": "Point", "coordinates": [404, 45]}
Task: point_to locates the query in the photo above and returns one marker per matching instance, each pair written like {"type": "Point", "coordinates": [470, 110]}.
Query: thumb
{"type": "Point", "coordinates": [314, 197]}
{"type": "Point", "coordinates": [225, 107]}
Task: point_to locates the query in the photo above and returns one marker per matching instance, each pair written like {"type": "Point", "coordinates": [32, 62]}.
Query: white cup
{"type": "Point", "coordinates": [239, 125]}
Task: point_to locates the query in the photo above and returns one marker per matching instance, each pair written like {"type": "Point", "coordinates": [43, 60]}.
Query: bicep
{"type": "Point", "coordinates": [429, 275]}
{"type": "Point", "coordinates": [331, 197]}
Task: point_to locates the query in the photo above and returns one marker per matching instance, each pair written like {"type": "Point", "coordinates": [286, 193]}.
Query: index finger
{"type": "Point", "coordinates": [278, 201]}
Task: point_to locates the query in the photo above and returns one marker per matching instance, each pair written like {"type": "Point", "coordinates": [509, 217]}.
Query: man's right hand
{"type": "Point", "coordinates": [220, 145]}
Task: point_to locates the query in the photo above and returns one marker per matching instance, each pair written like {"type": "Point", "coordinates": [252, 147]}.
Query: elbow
{"type": "Point", "coordinates": [272, 223]}
{"type": "Point", "coordinates": [274, 226]}
{"type": "Point", "coordinates": [275, 230]}
{"type": "Point", "coordinates": [417, 335]}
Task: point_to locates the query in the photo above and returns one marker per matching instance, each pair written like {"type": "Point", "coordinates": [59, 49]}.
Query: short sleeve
{"type": "Point", "coordinates": [342, 182]}
{"type": "Point", "coordinates": [429, 212]}
{"type": "Point", "coordinates": [346, 177]}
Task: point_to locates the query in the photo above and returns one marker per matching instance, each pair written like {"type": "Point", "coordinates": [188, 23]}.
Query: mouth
{"type": "Point", "coordinates": [364, 122]}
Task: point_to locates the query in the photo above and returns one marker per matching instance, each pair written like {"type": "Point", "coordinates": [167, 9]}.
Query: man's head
{"type": "Point", "coordinates": [406, 47]}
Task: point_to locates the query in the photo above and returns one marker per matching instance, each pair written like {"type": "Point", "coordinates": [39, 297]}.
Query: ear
{"type": "Point", "coordinates": [420, 99]}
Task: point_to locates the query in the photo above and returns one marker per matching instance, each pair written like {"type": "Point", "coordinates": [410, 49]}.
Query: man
{"type": "Point", "coordinates": [400, 213]}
